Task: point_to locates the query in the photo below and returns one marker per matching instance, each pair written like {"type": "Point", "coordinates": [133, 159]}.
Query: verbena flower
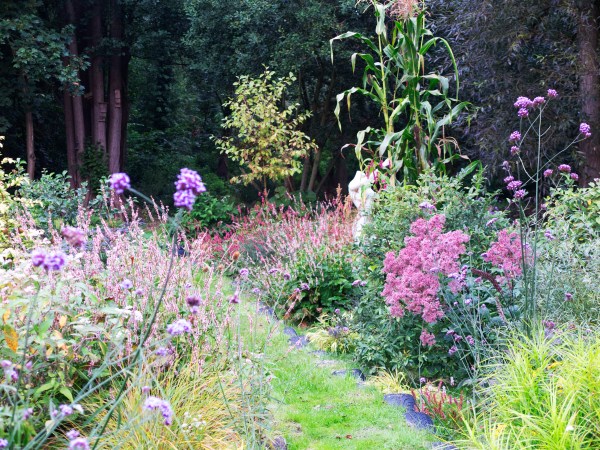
{"type": "Point", "coordinates": [564, 168]}
{"type": "Point", "coordinates": [54, 261]}
{"type": "Point", "coordinates": [193, 301]}
{"type": "Point", "coordinates": [155, 403]}
{"type": "Point", "coordinates": [412, 280]}
{"type": "Point", "coordinates": [452, 350]}
{"type": "Point", "coordinates": [145, 389]}
{"type": "Point", "coordinates": [304, 286]}
{"type": "Point", "coordinates": [574, 176]}
{"type": "Point", "coordinates": [539, 101]}
{"type": "Point", "coordinates": [255, 291]}
{"type": "Point", "coordinates": [470, 340]}
{"type": "Point", "coordinates": [423, 380]}
{"type": "Point", "coordinates": [273, 271]}
{"type": "Point", "coordinates": [73, 434]}
{"type": "Point", "coordinates": [514, 185]}
{"type": "Point", "coordinates": [521, 193]}
{"type": "Point", "coordinates": [79, 443]}
{"type": "Point", "coordinates": [27, 413]}
{"type": "Point", "coordinates": [427, 206]}
{"type": "Point", "coordinates": [491, 221]}
{"type": "Point", "coordinates": [37, 258]}
{"type": "Point", "coordinates": [162, 351]}
{"type": "Point", "coordinates": [119, 182]}
{"type": "Point", "coordinates": [74, 236]}
{"type": "Point", "coordinates": [515, 136]}
{"type": "Point", "coordinates": [184, 199]}
{"type": "Point", "coordinates": [548, 172]}
{"type": "Point", "coordinates": [514, 150]}
{"type": "Point", "coordinates": [523, 112]}
{"type": "Point", "coordinates": [355, 283]}
{"type": "Point", "coordinates": [179, 327]}
{"type": "Point", "coordinates": [287, 276]}
{"type": "Point", "coordinates": [427, 339]}
{"type": "Point", "coordinates": [523, 102]}
{"type": "Point", "coordinates": [552, 93]}
{"type": "Point", "coordinates": [508, 179]}
{"type": "Point", "coordinates": [126, 284]}
{"type": "Point", "coordinates": [3, 443]}
{"type": "Point", "coordinates": [585, 129]}
{"type": "Point", "coordinates": [244, 273]}
{"type": "Point", "coordinates": [548, 234]}
{"type": "Point", "coordinates": [235, 299]}
{"type": "Point", "coordinates": [188, 185]}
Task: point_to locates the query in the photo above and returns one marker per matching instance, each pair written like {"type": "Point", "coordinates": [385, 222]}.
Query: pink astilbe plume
{"type": "Point", "coordinates": [412, 281]}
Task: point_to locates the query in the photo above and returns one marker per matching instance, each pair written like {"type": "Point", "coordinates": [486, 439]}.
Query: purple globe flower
{"type": "Point", "coordinates": [154, 403]}
{"type": "Point", "coordinates": [514, 136]}
{"type": "Point", "coordinates": [508, 179]}
{"type": "Point", "coordinates": [523, 112]}
{"type": "Point", "coordinates": [73, 434]}
{"type": "Point", "coordinates": [514, 150]}
{"type": "Point", "coordinates": [37, 258]}
{"type": "Point", "coordinates": [539, 101]}
{"type": "Point", "coordinates": [523, 103]}
{"type": "Point", "coordinates": [190, 180]}
{"type": "Point", "coordinates": [514, 185]}
{"type": "Point", "coordinates": [244, 273]}
{"type": "Point", "coordinates": [520, 193]}
{"type": "Point", "coordinates": [54, 261]}
{"type": "Point", "coordinates": [119, 182]}
{"type": "Point", "coordinates": [564, 168]}
{"type": "Point", "coordinates": [179, 327]}
{"type": "Point", "coordinates": [552, 93]}
{"type": "Point", "coordinates": [585, 129]}
{"type": "Point", "coordinates": [574, 176]}
{"type": "Point", "coordinates": [548, 172]}
{"type": "Point", "coordinates": [184, 199]}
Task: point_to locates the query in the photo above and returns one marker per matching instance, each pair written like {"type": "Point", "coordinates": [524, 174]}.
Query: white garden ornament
{"type": "Point", "coordinates": [362, 196]}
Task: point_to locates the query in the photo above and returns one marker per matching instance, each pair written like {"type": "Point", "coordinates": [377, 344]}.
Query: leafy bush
{"type": "Point", "coordinates": [542, 393]}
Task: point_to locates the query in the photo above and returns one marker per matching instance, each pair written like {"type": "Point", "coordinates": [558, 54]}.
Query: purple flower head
{"type": "Point", "coordinates": [508, 179]}
{"type": "Point", "coordinates": [514, 136]}
{"type": "Point", "coordinates": [552, 93]}
{"type": "Point", "coordinates": [126, 284]}
{"type": "Point", "coordinates": [179, 327]}
{"type": "Point", "coordinates": [6, 364]}
{"type": "Point", "coordinates": [568, 297]}
{"type": "Point", "coordinates": [235, 299]}
{"type": "Point", "coordinates": [287, 276]}
{"type": "Point", "coordinates": [184, 199]}
{"type": "Point", "coordinates": [3, 443]}
{"type": "Point", "coordinates": [190, 181]}
{"type": "Point", "coordinates": [27, 413]}
{"type": "Point", "coordinates": [423, 380]}
{"type": "Point", "coordinates": [37, 258]}
{"type": "Point", "coordinates": [564, 168]}
{"type": "Point", "coordinates": [155, 403]}
{"type": "Point", "coordinates": [193, 301]}
{"type": "Point", "coordinates": [74, 236]}
{"type": "Point", "coordinates": [427, 339]}
{"type": "Point", "coordinates": [427, 206]}
{"type": "Point", "coordinates": [336, 311]}
{"type": "Point", "coordinates": [539, 101]}
{"type": "Point", "coordinates": [138, 292]}
{"type": "Point", "coordinates": [67, 410]}
{"type": "Point", "coordinates": [73, 434]}
{"type": "Point", "coordinates": [506, 165]}
{"type": "Point", "coordinates": [304, 286]}
{"type": "Point", "coordinates": [548, 324]}
{"type": "Point", "coordinates": [523, 103]}
{"type": "Point", "coordinates": [119, 182]}
{"type": "Point", "coordinates": [521, 193]}
{"type": "Point", "coordinates": [468, 301]}
{"type": "Point", "coordinates": [574, 176]}
{"type": "Point", "coordinates": [514, 185]}
{"type": "Point", "coordinates": [470, 340]}
{"type": "Point", "coordinates": [523, 112]}
{"type": "Point", "coordinates": [514, 150]}
{"type": "Point", "coordinates": [54, 261]}
{"type": "Point", "coordinates": [363, 283]}
{"type": "Point", "coordinates": [548, 172]}
{"type": "Point", "coordinates": [162, 351]}
{"type": "Point", "coordinates": [145, 389]}
{"type": "Point", "coordinates": [244, 273]}
{"type": "Point", "coordinates": [255, 291]}
{"type": "Point", "coordinates": [273, 271]}
{"type": "Point", "coordinates": [355, 282]}
{"type": "Point", "coordinates": [79, 443]}
{"type": "Point", "coordinates": [452, 350]}
{"type": "Point", "coordinates": [548, 234]}
{"type": "Point", "coordinates": [585, 129]}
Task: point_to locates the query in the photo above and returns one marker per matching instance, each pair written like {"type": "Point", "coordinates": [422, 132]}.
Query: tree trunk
{"type": "Point", "coordinates": [70, 138]}
{"type": "Point", "coordinates": [589, 85]}
{"type": "Point", "coordinates": [77, 103]}
{"type": "Point", "coordinates": [97, 81]}
{"type": "Point", "coordinates": [29, 144]}
{"type": "Point", "coordinates": [115, 109]}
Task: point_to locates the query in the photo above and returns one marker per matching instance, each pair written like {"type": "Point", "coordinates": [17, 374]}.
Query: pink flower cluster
{"type": "Point", "coordinates": [412, 281]}
{"type": "Point", "coordinates": [506, 254]}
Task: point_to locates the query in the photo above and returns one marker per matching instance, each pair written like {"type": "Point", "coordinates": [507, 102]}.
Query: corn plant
{"type": "Point", "coordinates": [415, 104]}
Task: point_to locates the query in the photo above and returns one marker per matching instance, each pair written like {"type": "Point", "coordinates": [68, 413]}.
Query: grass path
{"type": "Point", "coordinates": [315, 410]}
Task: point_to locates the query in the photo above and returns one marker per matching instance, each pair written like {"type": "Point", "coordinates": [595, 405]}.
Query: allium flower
{"type": "Point", "coordinates": [523, 112]}
{"type": "Point", "coordinates": [574, 176]}
{"type": "Point", "coordinates": [514, 150]}
{"type": "Point", "coordinates": [470, 340]}
{"type": "Point", "coordinates": [119, 182]}
{"type": "Point", "coordinates": [73, 434]}
{"type": "Point", "coordinates": [452, 350]}
{"type": "Point", "coordinates": [74, 236]}
{"type": "Point", "coordinates": [155, 403]}
{"type": "Point", "coordinates": [585, 129]}
{"type": "Point", "coordinates": [508, 179]}
{"type": "Point", "coordinates": [126, 284]}
{"type": "Point", "coordinates": [37, 258]}
{"type": "Point", "coordinates": [412, 280]}
{"type": "Point", "coordinates": [244, 273]}
{"type": "Point", "coordinates": [54, 261]}
{"type": "Point", "coordinates": [514, 185]}
{"type": "Point", "coordinates": [552, 93]}
{"type": "Point", "coordinates": [564, 168]}
{"type": "Point", "coordinates": [548, 172]}
{"type": "Point", "coordinates": [521, 193]}
{"type": "Point", "coordinates": [514, 136]}
{"type": "Point", "coordinates": [189, 180]}
{"type": "Point", "coordinates": [539, 101]}
{"type": "Point", "coordinates": [523, 102]}
{"type": "Point", "coordinates": [184, 199]}
{"type": "Point", "coordinates": [427, 206]}
{"type": "Point", "coordinates": [79, 443]}
{"type": "Point", "coordinates": [427, 339]}
{"type": "Point", "coordinates": [179, 327]}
